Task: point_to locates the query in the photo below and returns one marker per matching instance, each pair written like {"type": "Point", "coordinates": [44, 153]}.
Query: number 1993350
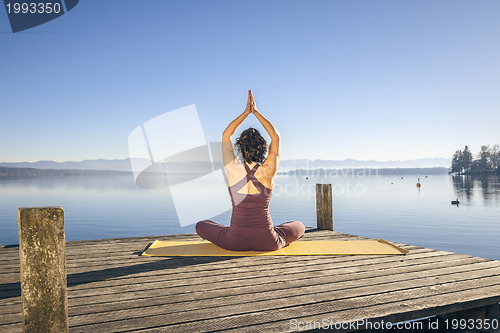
{"type": "Point", "coordinates": [33, 8]}
{"type": "Point", "coordinates": [473, 324]}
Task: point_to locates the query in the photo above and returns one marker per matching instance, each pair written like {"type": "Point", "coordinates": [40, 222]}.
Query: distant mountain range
{"type": "Point", "coordinates": [285, 165]}
{"type": "Point", "coordinates": [115, 165]}
{"type": "Point", "coordinates": [6, 172]}
{"type": "Point", "coordinates": [349, 163]}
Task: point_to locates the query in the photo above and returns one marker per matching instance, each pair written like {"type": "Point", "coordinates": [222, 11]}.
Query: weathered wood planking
{"type": "Point", "coordinates": [111, 288]}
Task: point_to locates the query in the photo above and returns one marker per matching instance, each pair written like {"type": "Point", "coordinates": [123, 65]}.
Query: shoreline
{"type": "Point", "coordinates": [23, 173]}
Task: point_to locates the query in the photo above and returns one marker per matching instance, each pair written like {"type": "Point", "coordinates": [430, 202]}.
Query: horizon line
{"type": "Point", "coordinates": [290, 159]}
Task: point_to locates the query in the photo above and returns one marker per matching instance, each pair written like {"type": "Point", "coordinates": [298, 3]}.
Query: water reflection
{"type": "Point", "coordinates": [76, 183]}
{"type": "Point", "coordinates": [477, 187]}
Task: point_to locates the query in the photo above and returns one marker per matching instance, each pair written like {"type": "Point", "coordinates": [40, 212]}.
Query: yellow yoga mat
{"type": "Point", "coordinates": [298, 248]}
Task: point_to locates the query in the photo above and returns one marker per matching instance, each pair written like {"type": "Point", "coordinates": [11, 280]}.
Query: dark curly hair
{"type": "Point", "coordinates": [252, 146]}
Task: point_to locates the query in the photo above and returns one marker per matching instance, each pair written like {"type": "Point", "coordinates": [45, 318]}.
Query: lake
{"type": "Point", "coordinates": [366, 204]}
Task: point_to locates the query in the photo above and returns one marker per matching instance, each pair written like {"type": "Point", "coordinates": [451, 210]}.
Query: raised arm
{"type": "Point", "coordinates": [275, 145]}
{"type": "Point", "coordinates": [231, 128]}
{"type": "Point", "coordinates": [227, 145]}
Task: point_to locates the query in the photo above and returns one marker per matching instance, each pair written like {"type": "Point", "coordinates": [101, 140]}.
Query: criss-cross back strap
{"type": "Point", "coordinates": [251, 172]}
{"type": "Point", "coordinates": [248, 177]}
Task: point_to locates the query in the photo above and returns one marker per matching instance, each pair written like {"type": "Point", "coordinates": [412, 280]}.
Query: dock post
{"type": "Point", "coordinates": [324, 206]}
{"type": "Point", "coordinates": [43, 269]}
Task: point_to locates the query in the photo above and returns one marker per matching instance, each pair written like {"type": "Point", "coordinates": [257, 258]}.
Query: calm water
{"type": "Point", "coordinates": [369, 205]}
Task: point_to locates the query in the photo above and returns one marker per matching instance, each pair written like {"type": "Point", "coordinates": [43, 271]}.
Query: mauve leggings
{"type": "Point", "coordinates": [250, 239]}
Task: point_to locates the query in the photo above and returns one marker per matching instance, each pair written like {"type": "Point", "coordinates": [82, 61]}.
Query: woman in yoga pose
{"type": "Point", "coordinates": [250, 187]}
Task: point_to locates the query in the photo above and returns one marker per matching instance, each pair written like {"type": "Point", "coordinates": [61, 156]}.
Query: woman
{"type": "Point", "coordinates": [250, 187]}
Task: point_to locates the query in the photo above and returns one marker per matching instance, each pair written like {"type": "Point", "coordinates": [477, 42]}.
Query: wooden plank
{"type": "Point", "coordinates": [238, 271]}
{"type": "Point", "coordinates": [115, 290]}
{"type": "Point", "coordinates": [75, 250]}
{"type": "Point", "coordinates": [74, 268]}
{"type": "Point", "coordinates": [138, 241]}
{"type": "Point", "coordinates": [204, 288]}
{"type": "Point", "coordinates": [97, 261]}
{"type": "Point", "coordinates": [93, 276]}
{"type": "Point", "coordinates": [244, 314]}
{"type": "Point", "coordinates": [12, 328]}
{"type": "Point", "coordinates": [423, 307]}
{"type": "Point", "coordinates": [134, 290]}
{"type": "Point", "coordinates": [160, 297]}
{"type": "Point", "coordinates": [256, 278]}
{"type": "Point", "coordinates": [295, 295]}
{"type": "Point", "coordinates": [132, 281]}
{"type": "Point", "coordinates": [420, 307]}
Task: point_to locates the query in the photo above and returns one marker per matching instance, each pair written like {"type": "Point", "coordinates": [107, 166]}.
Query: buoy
{"type": "Point", "coordinates": [418, 185]}
{"type": "Point", "coordinates": [401, 177]}
{"type": "Point", "coordinates": [307, 178]}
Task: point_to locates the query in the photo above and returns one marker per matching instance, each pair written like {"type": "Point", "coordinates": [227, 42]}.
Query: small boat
{"type": "Point", "coordinates": [455, 202]}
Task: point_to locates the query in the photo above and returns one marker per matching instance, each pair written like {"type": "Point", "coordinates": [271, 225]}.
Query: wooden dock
{"type": "Point", "coordinates": [111, 288]}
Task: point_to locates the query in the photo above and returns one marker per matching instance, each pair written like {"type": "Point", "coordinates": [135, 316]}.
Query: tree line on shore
{"type": "Point", "coordinates": [487, 161]}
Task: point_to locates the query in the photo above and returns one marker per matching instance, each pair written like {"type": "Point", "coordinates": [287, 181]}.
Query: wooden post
{"type": "Point", "coordinates": [324, 206]}
{"type": "Point", "coordinates": [43, 269]}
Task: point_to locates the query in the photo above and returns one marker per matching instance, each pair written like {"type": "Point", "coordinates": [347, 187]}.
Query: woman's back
{"type": "Point", "coordinates": [250, 210]}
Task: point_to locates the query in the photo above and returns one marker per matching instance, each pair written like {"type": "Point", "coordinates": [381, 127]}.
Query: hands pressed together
{"type": "Point", "coordinates": [251, 106]}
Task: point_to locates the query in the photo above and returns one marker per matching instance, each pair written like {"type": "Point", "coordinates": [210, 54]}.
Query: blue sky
{"type": "Point", "coordinates": [384, 80]}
